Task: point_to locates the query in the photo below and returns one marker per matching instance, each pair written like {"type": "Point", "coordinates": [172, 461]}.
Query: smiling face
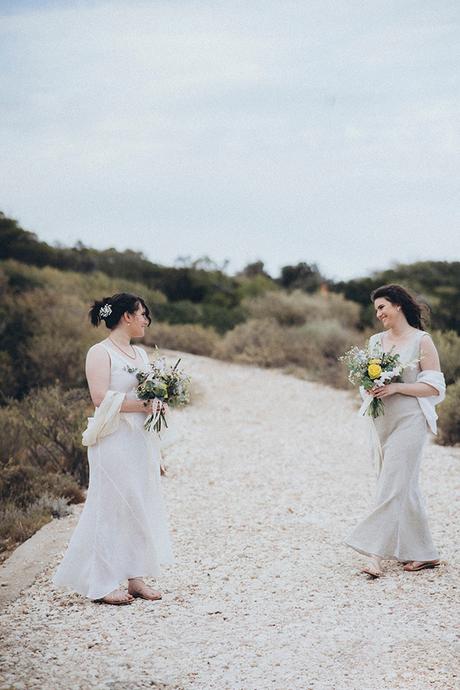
{"type": "Point", "coordinates": [137, 322]}
{"type": "Point", "coordinates": [387, 312]}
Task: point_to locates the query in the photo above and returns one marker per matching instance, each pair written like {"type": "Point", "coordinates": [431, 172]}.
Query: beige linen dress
{"type": "Point", "coordinates": [397, 527]}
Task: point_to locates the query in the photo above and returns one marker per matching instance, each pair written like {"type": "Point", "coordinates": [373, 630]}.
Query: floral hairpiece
{"type": "Point", "coordinates": [105, 311]}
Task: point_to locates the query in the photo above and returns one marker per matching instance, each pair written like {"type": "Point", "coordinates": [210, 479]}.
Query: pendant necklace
{"type": "Point", "coordinates": [121, 349]}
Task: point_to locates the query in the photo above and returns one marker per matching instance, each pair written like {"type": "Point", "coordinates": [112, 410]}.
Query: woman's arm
{"type": "Point", "coordinates": [98, 377]}
{"type": "Point", "coordinates": [429, 360]}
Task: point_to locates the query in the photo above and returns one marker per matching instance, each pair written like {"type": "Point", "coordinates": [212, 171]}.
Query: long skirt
{"type": "Point", "coordinates": [397, 526]}
{"type": "Point", "coordinates": [122, 531]}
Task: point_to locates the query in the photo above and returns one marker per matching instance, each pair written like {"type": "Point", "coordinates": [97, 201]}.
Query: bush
{"type": "Point", "coordinates": [313, 347]}
{"type": "Point", "coordinates": [297, 308]}
{"type": "Point", "coordinates": [449, 417]}
{"type": "Point", "coordinates": [42, 460]}
{"type": "Point", "coordinates": [258, 342]}
{"type": "Point", "coordinates": [54, 420]}
{"type": "Point", "coordinates": [18, 524]}
{"type": "Point", "coordinates": [329, 337]}
{"type": "Point", "coordinates": [43, 432]}
{"type": "Point", "coordinates": [448, 345]}
{"type": "Point", "coordinates": [186, 337]}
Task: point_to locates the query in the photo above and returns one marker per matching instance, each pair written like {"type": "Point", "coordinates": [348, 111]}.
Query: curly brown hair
{"type": "Point", "coordinates": [416, 312]}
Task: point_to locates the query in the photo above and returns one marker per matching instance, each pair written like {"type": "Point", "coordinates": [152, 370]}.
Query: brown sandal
{"type": "Point", "coordinates": [114, 602]}
{"type": "Point", "coordinates": [374, 574]}
{"type": "Point", "coordinates": [414, 566]}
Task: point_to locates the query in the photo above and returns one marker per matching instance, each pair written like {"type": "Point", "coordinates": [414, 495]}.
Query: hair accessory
{"type": "Point", "coordinates": [105, 311]}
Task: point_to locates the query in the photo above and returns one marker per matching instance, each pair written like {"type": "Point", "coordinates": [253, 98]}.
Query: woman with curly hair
{"type": "Point", "coordinates": [397, 527]}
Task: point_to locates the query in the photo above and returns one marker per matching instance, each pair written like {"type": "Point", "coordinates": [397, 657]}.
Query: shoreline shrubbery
{"type": "Point", "coordinates": [299, 322]}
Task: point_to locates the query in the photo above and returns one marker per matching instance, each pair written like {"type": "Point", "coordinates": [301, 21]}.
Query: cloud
{"type": "Point", "coordinates": [287, 131]}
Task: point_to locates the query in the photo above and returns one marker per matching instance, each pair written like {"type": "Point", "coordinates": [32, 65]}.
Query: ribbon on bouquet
{"type": "Point", "coordinates": [374, 440]}
{"type": "Point", "coordinates": [154, 416]}
{"type": "Point", "coordinates": [366, 398]}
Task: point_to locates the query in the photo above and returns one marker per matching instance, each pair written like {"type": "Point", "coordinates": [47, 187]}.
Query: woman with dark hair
{"type": "Point", "coordinates": [122, 533]}
{"type": "Point", "coordinates": [397, 527]}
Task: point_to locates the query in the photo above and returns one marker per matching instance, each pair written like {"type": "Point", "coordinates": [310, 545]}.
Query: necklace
{"type": "Point", "coordinates": [121, 349]}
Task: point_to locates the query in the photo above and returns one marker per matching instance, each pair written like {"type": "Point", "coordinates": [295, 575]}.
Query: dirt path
{"type": "Point", "coordinates": [269, 474]}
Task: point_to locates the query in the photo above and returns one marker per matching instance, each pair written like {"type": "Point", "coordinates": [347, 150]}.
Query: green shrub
{"type": "Point", "coordinates": [448, 346]}
{"type": "Point", "coordinates": [223, 319]}
{"type": "Point", "coordinates": [54, 420]}
{"type": "Point", "coordinates": [255, 285]}
{"type": "Point", "coordinates": [44, 431]}
{"type": "Point", "coordinates": [186, 337]}
{"type": "Point", "coordinates": [449, 417]}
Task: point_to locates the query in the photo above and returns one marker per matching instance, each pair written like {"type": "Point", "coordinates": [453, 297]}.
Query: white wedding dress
{"type": "Point", "coordinates": [122, 532]}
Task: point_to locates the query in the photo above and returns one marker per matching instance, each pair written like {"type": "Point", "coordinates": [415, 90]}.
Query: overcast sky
{"type": "Point", "coordinates": [286, 131]}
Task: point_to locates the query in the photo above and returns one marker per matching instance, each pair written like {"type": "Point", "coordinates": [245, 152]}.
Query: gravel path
{"type": "Point", "coordinates": [269, 474]}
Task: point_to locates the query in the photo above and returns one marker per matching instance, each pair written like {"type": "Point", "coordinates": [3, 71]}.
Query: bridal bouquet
{"type": "Point", "coordinates": [162, 382]}
{"type": "Point", "coordinates": [371, 367]}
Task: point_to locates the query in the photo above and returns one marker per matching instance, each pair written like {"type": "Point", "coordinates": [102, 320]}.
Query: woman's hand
{"type": "Point", "coordinates": [385, 391]}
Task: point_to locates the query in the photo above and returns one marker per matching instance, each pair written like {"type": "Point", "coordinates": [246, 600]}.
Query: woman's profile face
{"type": "Point", "coordinates": [386, 311]}
{"type": "Point", "coordinates": [138, 322]}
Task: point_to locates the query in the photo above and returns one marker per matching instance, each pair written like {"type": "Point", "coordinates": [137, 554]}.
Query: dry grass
{"type": "Point", "coordinates": [185, 337]}
{"type": "Point", "coordinates": [449, 417]}
{"type": "Point", "coordinates": [298, 308]}
{"type": "Point", "coordinates": [448, 345]}
{"type": "Point", "coordinates": [310, 350]}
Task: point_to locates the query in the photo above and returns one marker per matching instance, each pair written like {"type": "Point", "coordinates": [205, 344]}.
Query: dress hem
{"type": "Point", "coordinates": [94, 597]}
{"type": "Point", "coordinates": [392, 557]}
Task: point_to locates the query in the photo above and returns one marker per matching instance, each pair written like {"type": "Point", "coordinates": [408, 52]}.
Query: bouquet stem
{"type": "Point", "coordinates": [376, 408]}
{"type": "Point", "coordinates": [155, 422]}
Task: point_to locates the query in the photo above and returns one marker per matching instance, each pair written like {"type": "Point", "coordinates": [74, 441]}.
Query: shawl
{"type": "Point", "coordinates": [428, 404]}
{"type": "Point", "coordinates": [106, 418]}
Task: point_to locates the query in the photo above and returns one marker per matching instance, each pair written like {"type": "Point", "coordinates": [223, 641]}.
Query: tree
{"type": "Point", "coordinates": [303, 276]}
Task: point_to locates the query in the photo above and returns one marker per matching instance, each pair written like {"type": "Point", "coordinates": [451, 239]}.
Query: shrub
{"type": "Point", "coordinates": [54, 420]}
{"type": "Point", "coordinates": [449, 417]}
{"type": "Point", "coordinates": [18, 524]}
{"type": "Point", "coordinates": [448, 345]}
{"type": "Point", "coordinates": [186, 337]}
{"type": "Point", "coordinates": [329, 337]}
{"type": "Point", "coordinates": [313, 347]}
{"type": "Point", "coordinates": [19, 483]}
{"type": "Point", "coordinates": [297, 308]}
{"type": "Point", "coordinates": [254, 342]}
{"type": "Point", "coordinates": [14, 436]}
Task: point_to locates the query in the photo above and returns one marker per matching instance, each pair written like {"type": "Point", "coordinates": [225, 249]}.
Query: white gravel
{"type": "Point", "coordinates": [268, 476]}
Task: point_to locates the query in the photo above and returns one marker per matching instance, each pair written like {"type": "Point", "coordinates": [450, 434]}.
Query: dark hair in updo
{"type": "Point", "coordinates": [119, 304]}
{"type": "Point", "coordinates": [416, 313]}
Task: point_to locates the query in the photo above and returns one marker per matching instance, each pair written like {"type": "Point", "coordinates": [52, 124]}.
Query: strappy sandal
{"type": "Point", "coordinates": [114, 602]}
{"type": "Point", "coordinates": [374, 574]}
{"type": "Point", "coordinates": [156, 596]}
{"type": "Point", "coordinates": [421, 565]}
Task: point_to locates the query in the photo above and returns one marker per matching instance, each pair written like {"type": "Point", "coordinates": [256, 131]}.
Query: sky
{"type": "Point", "coordinates": [296, 130]}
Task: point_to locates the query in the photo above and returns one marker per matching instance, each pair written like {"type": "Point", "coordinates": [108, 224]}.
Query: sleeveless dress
{"type": "Point", "coordinates": [122, 531]}
{"type": "Point", "coordinates": [397, 527]}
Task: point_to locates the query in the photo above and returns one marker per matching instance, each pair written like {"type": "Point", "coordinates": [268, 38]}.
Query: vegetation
{"type": "Point", "coordinates": [299, 321]}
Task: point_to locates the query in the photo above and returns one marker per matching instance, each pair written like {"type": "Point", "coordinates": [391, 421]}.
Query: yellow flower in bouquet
{"type": "Point", "coordinates": [374, 370]}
